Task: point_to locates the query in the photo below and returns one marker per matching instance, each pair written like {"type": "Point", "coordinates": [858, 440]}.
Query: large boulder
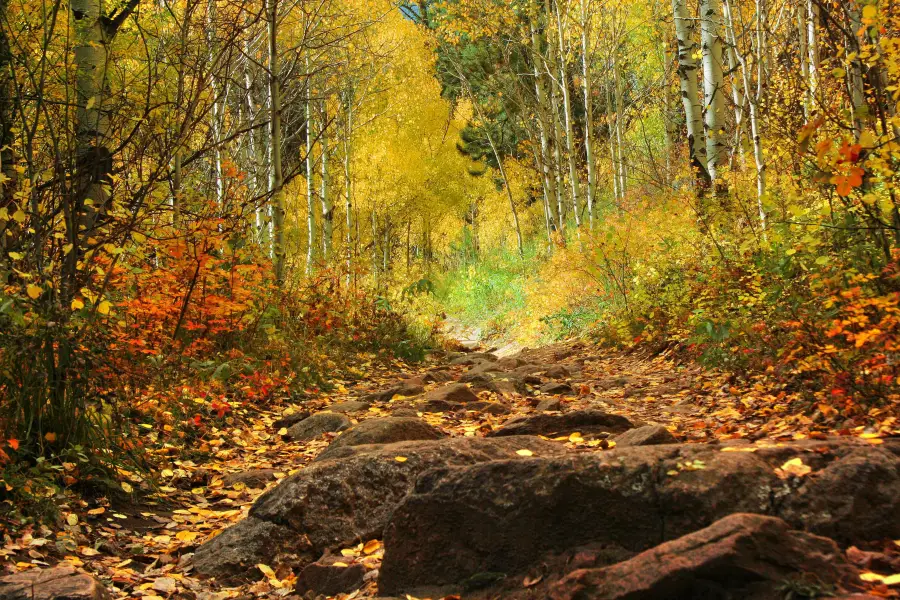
{"type": "Point", "coordinates": [582, 421]}
{"type": "Point", "coordinates": [334, 503]}
{"type": "Point", "coordinates": [503, 516]}
{"type": "Point", "coordinates": [387, 430]}
{"type": "Point", "coordinates": [233, 553]}
{"type": "Point", "coordinates": [313, 427]}
{"type": "Point", "coordinates": [741, 556]}
{"type": "Point", "coordinates": [55, 583]}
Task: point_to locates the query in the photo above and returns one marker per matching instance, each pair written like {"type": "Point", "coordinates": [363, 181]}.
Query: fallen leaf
{"type": "Point", "coordinates": [186, 536]}
{"type": "Point", "coordinates": [793, 468]}
{"type": "Point", "coordinates": [524, 452]}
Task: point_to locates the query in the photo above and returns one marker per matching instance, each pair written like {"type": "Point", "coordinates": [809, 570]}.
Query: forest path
{"type": "Point", "coordinates": [147, 551]}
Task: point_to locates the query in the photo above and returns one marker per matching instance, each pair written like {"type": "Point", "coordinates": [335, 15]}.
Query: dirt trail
{"type": "Point", "coordinates": [147, 552]}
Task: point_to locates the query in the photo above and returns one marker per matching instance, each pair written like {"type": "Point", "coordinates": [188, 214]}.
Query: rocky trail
{"type": "Point", "coordinates": [566, 472]}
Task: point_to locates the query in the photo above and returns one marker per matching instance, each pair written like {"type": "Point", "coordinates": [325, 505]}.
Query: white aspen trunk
{"type": "Point", "coordinates": [854, 73]}
{"type": "Point", "coordinates": [278, 249]}
{"type": "Point", "coordinates": [557, 160]}
{"type": "Point", "coordinates": [690, 89]}
{"type": "Point", "coordinates": [713, 85]}
{"type": "Point", "coordinates": [310, 175]}
{"type": "Point", "coordinates": [217, 113]}
{"type": "Point", "coordinates": [542, 110]}
{"type": "Point", "coordinates": [620, 109]}
{"type": "Point", "coordinates": [92, 122]}
{"type": "Point", "coordinates": [737, 89]}
{"type": "Point", "coordinates": [802, 21]}
{"type": "Point", "coordinates": [613, 154]}
{"type": "Point", "coordinates": [326, 202]}
{"type": "Point", "coordinates": [588, 110]}
{"type": "Point", "coordinates": [348, 180]}
{"type": "Point", "coordinates": [812, 48]}
{"type": "Point", "coordinates": [574, 183]}
{"type": "Point", "coordinates": [557, 150]}
{"type": "Point", "coordinates": [667, 61]}
{"type": "Point", "coordinates": [753, 102]}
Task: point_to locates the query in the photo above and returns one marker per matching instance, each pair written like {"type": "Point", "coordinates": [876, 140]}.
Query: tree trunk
{"type": "Point", "coordinates": [326, 202]}
{"type": "Point", "coordinates": [348, 180]}
{"type": "Point", "coordinates": [713, 85]}
{"type": "Point", "coordinates": [310, 176]}
{"type": "Point", "coordinates": [542, 109]}
{"type": "Point", "coordinates": [275, 144]}
{"type": "Point", "coordinates": [620, 109]}
{"type": "Point", "coordinates": [588, 110]}
{"type": "Point", "coordinates": [690, 91]}
{"type": "Point", "coordinates": [574, 183]}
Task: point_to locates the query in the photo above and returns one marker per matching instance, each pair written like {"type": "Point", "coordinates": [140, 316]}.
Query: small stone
{"type": "Point", "coordinates": [349, 406]}
{"type": "Point", "coordinates": [648, 435]}
{"type": "Point", "coordinates": [551, 404]}
{"type": "Point", "coordinates": [556, 388]}
{"type": "Point", "coordinates": [330, 579]}
{"type": "Point", "coordinates": [254, 478]}
{"type": "Point", "coordinates": [313, 427]}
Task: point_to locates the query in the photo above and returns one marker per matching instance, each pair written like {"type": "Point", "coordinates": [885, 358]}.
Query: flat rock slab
{"type": "Point", "coordinates": [55, 583]}
{"type": "Point", "coordinates": [313, 427]}
{"type": "Point", "coordinates": [287, 420]}
{"type": "Point", "coordinates": [330, 579]}
{"type": "Point", "coordinates": [233, 553]}
{"type": "Point", "coordinates": [389, 430]}
{"type": "Point", "coordinates": [455, 392]}
{"type": "Point", "coordinates": [503, 516]}
{"type": "Point", "coordinates": [648, 435]}
{"type": "Point", "coordinates": [254, 478]}
{"type": "Point", "coordinates": [741, 556]}
{"type": "Point", "coordinates": [350, 406]}
{"type": "Point", "coordinates": [335, 503]}
{"type": "Point", "coordinates": [581, 421]}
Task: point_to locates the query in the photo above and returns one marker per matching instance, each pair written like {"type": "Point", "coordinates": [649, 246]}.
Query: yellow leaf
{"type": "Point", "coordinates": [77, 304]}
{"type": "Point", "coordinates": [267, 571]}
{"type": "Point", "coordinates": [72, 519]}
{"type": "Point", "coordinates": [576, 438]}
{"type": "Point", "coordinates": [19, 216]}
{"type": "Point", "coordinates": [16, 255]}
{"type": "Point", "coordinates": [103, 307]}
{"type": "Point", "coordinates": [400, 458]}
{"type": "Point", "coordinates": [371, 546]}
{"type": "Point", "coordinates": [891, 579]}
{"type": "Point", "coordinates": [869, 11]}
{"type": "Point", "coordinates": [186, 536]}
{"type": "Point", "coordinates": [794, 467]}
{"type": "Point", "coordinates": [34, 291]}
{"type": "Point", "coordinates": [339, 564]}
{"type": "Point", "coordinates": [524, 452]}
{"type": "Point", "coordinates": [871, 577]}
{"type": "Point", "coordinates": [50, 437]}
{"type": "Point", "coordinates": [126, 487]}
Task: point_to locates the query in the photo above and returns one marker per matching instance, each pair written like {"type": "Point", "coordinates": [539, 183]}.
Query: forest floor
{"type": "Point", "coordinates": [145, 550]}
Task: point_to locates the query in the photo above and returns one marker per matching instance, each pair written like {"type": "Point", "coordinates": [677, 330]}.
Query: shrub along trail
{"type": "Point", "coordinates": [511, 428]}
